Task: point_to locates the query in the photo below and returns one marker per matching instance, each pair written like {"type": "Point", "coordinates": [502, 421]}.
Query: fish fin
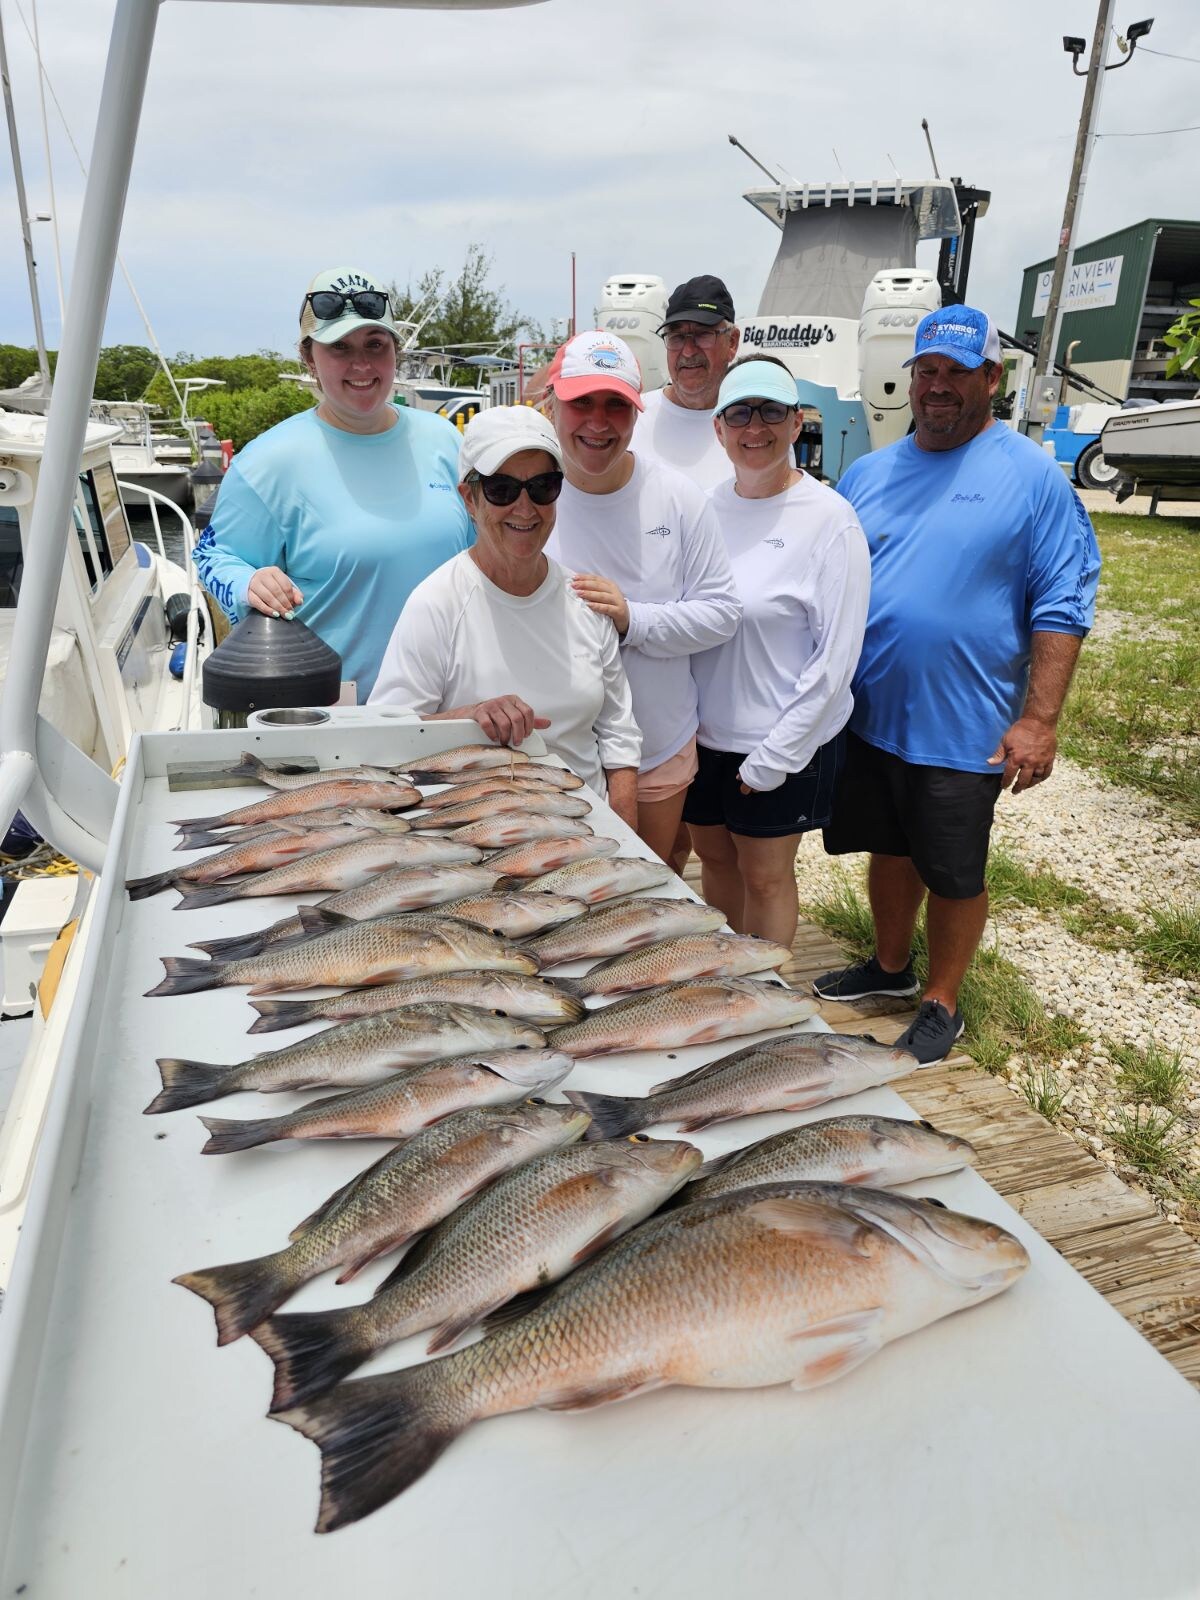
{"type": "Point", "coordinates": [694, 1124]}
{"type": "Point", "coordinates": [597, 1242]}
{"type": "Point", "coordinates": [142, 888]}
{"type": "Point", "coordinates": [698, 1074]}
{"type": "Point", "coordinates": [382, 1248]}
{"type": "Point", "coordinates": [612, 1115]}
{"type": "Point", "coordinates": [519, 1306]}
{"type": "Point", "coordinates": [189, 1083]}
{"type": "Point", "coordinates": [316, 919]}
{"type": "Point", "coordinates": [714, 1164]}
{"type": "Point", "coordinates": [243, 1293]}
{"type": "Point", "coordinates": [312, 1350]}
{"type": "Point", "coordinates": [577, 988]}
{"type": "Point", "coordinates": [421, 1249]}
{"type": "Point", "coordinates": [248, 765]}
{"type": "Point", "coordinates": [831, 1349]}
{"type": "Point", "coordinates": [235, 948]}
{"type": "Point", "coordinates": [827, 1225]}
{"type": "Point", "coordinates": [528, 1074]}
{"type": "Point", "coordinates": [227, 1135]}
{"type": "Point", "coordinates": [186, 975]}
{"type": "Point", "coordinates": [451, 1332]}
{"type": "Point", "coordinates": [276, 1014]}
{"type": "Point", "coordinates": [197, 895]}
{"type": "Point", "coordinates": [197, 824]}
{"type": "Point", "coordinates": [586, 1399]}
{"type": "Point", "coordinates": [376, 1436]}
{"type": "Point", "coordinates": [327, 1205]}
{"type": "Point", "coordinates": [199, 841]}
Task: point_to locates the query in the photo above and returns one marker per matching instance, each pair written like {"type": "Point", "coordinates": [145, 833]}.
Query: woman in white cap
{"type": "Point", "coordinates": [775, 698]}
{"type": "Point", "coordinates": [336, 514]}
{"type": "Point", "coordinates": [647, 552]}
{"type": "Point", "coordinates": [497, 634]}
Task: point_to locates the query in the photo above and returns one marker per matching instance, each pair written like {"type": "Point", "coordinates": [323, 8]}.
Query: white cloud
{"type": "Point", "coordinates": [276, 140]}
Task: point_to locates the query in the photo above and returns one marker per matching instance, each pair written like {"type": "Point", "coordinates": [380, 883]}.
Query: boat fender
{"type": "Point", "coordinates": [177, 608]}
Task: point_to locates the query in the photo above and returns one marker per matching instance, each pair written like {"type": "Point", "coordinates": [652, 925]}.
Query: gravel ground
{"type": "Point", "coordinates": [1127, 852]}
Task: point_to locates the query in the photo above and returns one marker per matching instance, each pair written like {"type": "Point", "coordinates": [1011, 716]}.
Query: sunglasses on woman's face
{"type": "Point", "coordinates": [330, 303]}
{"type": "Point", "coordinates": [501, 490]}
{"type": "Point", "coordinates": [772, 412]}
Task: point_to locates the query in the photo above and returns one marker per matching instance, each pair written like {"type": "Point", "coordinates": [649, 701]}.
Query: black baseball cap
{"type": "Point", "coordinates": [704, 299]}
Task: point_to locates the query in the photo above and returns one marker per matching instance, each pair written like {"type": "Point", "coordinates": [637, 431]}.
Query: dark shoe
{"type": "Point", "coordinates": [933, 1032]}
{"type": "Point", "coordinates": [866, 978]}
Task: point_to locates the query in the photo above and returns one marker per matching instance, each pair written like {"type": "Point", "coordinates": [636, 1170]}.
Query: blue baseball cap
{"type": "Point", "coordinates": [960, 332]}
{"type": "Point", "coordinates": [757, 380]}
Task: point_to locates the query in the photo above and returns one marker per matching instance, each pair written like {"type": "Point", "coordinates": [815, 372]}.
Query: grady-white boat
{"type": "Point", "coordinates": [1156, 449]}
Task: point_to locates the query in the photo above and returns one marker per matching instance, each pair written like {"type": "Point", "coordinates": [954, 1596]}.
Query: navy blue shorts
{"type": "Point", "coordinates": [802, 801]}
{"type": "Point", "coordinates": [939, 817]}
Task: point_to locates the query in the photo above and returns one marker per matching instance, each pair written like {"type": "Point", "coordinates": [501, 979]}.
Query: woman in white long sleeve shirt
{"type": "Point", "coordinates": [496, 633]}
{"type": "Point", "coordinates": [647, 552]}
{"type": "Point", "coordinates": [774, 699]}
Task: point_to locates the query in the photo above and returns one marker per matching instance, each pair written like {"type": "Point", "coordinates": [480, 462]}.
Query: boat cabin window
{"type": "Point", "coordinates": [104, 537]}
{"type": "Point", "coordinates": [11, 559]}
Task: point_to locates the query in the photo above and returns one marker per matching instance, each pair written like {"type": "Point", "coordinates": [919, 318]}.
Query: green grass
{"type": "Point", "coordinates": [1001, 1011]}
{"type": "Point", "coordinates": [1152, 1076]}
{"type": "Point", "coordinates": [1147, 1140]}
{"type": "Point", "coordinates": [1134, 710]}
{"type": "Point", "coordinates": [1009, 883]}
{"type": "Point", "coordinates": [1041, 1088]}
{"type": "Point", "coordinates": [1171, 944]}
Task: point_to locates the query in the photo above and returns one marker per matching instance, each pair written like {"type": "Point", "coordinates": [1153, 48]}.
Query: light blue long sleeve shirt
{"type": "Point", "coordinates": [973, 551]}
{"type": "Point", "coordinates": [355, 520]}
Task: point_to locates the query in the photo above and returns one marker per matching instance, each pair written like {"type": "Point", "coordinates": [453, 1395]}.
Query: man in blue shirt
{"type": "Point", "coordinates": [983, 581]}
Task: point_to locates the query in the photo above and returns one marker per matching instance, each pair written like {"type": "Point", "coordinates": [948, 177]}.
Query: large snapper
{"type": "Point", "coordinates": [255, 856]}
{"type": "Point", "coordinates": [682, 1014]}
{"type": "Point", "coordinates": [280, 776]}
{"type": "Point", "coordinates": [528, 1229]}
{"type": "Point", "coordinates": [540, 856]}
{"type": "Point", "coordinates": [340, 867]}
{"type": "Point", "coordinates": [534, 999]}
{"type": "Point", "coordinates": [340, 792]}
{"type": "Point", "coordinates": [593, 880]}
{"type": "Point", "coordinates": [697, 955]}
{"type": "Point", "coordinates": [409, 1190]}
{"type": "Point", "coordinates": [609, 930]}
{"type": "Point", "coordinates": [780, 1284]}
{"type": "Point", "coordinates": [303, 822]}
{"type": "Point", "coordinates": [531, 802]}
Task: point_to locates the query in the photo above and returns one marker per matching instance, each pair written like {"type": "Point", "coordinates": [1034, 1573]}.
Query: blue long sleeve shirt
{"type": "Point", "coordinates": [973, 550]}
{"type": "Point", "coordinates": [355, 520]}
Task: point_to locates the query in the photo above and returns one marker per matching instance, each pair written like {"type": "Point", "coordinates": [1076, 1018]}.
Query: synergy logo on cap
{"type": "Point", "coordinates": [960, 332]}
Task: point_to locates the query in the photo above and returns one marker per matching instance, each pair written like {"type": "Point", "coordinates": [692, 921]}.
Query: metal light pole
{"type": "Point", "coordinates": [1045, 390]}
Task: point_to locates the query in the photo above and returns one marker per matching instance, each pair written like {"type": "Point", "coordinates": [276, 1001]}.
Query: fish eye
{"type": "Point", "coordinates": [535, 1100]}
{"type": "Point", "coordinates": [639, 1138]}
{"type": "Point", "coordinates": [940, 1204]}
{"type": "Point", "coordinates": [921, 1123]}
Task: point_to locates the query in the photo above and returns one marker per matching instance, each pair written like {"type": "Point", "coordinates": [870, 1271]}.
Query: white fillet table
{"type": "Point", "coordinates": [1033, 1446]}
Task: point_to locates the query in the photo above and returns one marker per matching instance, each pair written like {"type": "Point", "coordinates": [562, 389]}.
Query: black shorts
{"type": "Point", "coordinates": [802, 801]}
{"type": "Point", "coordinates": [937, 816]}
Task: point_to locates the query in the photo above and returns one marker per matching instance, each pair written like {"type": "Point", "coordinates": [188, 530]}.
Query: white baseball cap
{"type": "Point", "coordinates": [344, 282]}
{"type": "Point", "coordinates": [497, 433]}
{"type": "Point", "coordinates": [593, 363]}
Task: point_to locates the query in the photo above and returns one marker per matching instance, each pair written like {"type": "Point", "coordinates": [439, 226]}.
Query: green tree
{"type": "Point", "coordinates": [17, 362]}
{"type": "Point", "coordinates": [468, 312]}
{"type": "Point", "coordinates": [242, 414]}
{"type": "Point", "coordinates": [1184, 338]}
{"type": "Point", "coordinates": [123, 371]}
{"type": "Point", "coordinates": [239, 374]}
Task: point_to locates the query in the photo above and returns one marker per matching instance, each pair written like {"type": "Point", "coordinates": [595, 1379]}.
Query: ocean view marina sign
{"type": "Point", "coordinates": [1090, 284]}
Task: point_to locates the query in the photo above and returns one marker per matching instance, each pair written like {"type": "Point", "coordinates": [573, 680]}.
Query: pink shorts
{"type": "Point", "coordinates": [670, 777]}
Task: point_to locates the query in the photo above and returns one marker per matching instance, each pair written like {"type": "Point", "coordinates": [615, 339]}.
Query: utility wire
{"type": "Point", "coordinates": [1150, 133]}
{"type": "Point", "coordinates": [1168, 55]}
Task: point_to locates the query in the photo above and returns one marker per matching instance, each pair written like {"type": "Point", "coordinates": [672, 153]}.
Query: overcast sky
{"type": "Point", "coordinates": [277, 140]}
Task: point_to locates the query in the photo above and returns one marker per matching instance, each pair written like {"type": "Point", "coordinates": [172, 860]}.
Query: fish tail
{"type": "Point", "coordinates": [186, 975]}
{"type": "Point", "coordinates": [204, 894]}
{"type": "Point", "coordinates": [312, 1350]}
{"type": "Point", "coordinates": [226, 1135]}
{"type": "Point", "coordinates": [376, 1436]}
{"type": "Point", "coordinates": [249, 766]}
{"type": "Point", "coordinates": [196, 824]}
{"type": "Point", "coordinates": [276, 1014]}
{"type": "Point", "coordinates": [141, 888]}
{"type": "Point", "coordinates": [199, 841]}
{"type": "Point", "coordinates": [577, 988]}
{"type": "Point", "coordinates": [613, 1116]}
{"type": "Point", "coordinates": [190, 1083]}
{"type": "Point", "coordinates": [236, 948]}
{"type": "Point", "coordinates": [244, 1293]}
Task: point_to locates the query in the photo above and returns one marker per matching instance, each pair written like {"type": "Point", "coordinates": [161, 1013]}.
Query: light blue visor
{"type": "Point", "coordinates": [757, 380]}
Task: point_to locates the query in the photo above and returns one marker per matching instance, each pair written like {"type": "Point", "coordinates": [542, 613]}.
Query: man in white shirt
{"type": "Point", "coordinates": [676, 424]}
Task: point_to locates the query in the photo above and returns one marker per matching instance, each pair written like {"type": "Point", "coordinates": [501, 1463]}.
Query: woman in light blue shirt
{"type": "Point", "coordinates": [336, 514]}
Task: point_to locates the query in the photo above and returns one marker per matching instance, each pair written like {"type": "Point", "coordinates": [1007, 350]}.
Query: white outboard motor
{"type": "Point", "coordinates": [632, 305]}
{"type": "Point", "coordinates": [896, 300]}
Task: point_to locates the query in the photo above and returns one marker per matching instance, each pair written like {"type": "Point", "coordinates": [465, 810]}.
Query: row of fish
{"type": "Point", "coordinates": [542, 1223]}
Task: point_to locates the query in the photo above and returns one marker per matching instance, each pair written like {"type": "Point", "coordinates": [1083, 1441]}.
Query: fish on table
{"type": "Point", "coordinates": [863, 1149]}
{"type": "Point", "coordinates": [528, 801]}
{"type": "Point", "coordinates": [791, 1073]}
{"type": "Point", "coordinates": [281, 776]}
{"type": "Point", "coordinates": [526, 1230]}
{"type": "Point", "coordinates": [337, 867]}
{"type": "Point", "coordinates": [402, 1104]}
{"type": "Point", "coordinates": [299, 822]}
{"type": "Point", "coordinates": [404, 1193]}
{"type": "Point", "coordinates": [694, 955]}
{"type": "Point", "coordinates": [610, 930]}
{"type": "Point", "coordinates": [776, 1284]}
{"type": "Point", "coordinates": [513, 914]}
{"type": "Point", "coordinates": [521, 827]}
{"type": "Point", "coordinates": [475, 758]}
{"type": "Point", "coordinates": [458, 793]}
{"type": "Point", "coordinates": [341, 793]}
{"type": "Point", "coordinates": [540, 856]}
{"type": "Point", "coordinates": [352, 956]}
{"type": "Point", "coordinates": [681, 1014]}
{"type": "Point", "coordinates": [517, 995]}
{"type": "Point", "coordinates": [593, 880]}
{"type": "Point", "coordinates": [533, 773]}
{"type": "Point", "coordinates": [347, 1055]}
{"type": "Point", "coordinates": [254, 857]}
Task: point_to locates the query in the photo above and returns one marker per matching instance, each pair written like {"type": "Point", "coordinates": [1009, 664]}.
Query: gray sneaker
{"type": "Point", "coordinates": [866, 978]}
{"type": "Point", "coordinates": [932, 1033]}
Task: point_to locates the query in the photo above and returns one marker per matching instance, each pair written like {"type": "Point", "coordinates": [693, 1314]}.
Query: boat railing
{"type": "Point", "coordinates": [196, 607]}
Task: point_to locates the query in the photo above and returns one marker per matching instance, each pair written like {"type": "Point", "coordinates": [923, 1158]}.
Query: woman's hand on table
{"type": "Point", "coordinates": [506, 719]}
{"type": "Point", "coordinates": [603, 596]}
{"type": "Point", "coordinates": [272, 592]}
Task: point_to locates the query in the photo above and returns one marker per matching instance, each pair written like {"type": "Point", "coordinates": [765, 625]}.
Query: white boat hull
{"type": "Point", "coordinates": [1157, 446]}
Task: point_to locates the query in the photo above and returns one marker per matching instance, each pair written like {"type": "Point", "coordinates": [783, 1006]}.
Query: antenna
{"type": "Point", "coordinates": [738, 145]}
{"type": "Point", "coordinates": [837, 161]}
{"type": "Point", "coordinates": [929, 142]}
{"type": "Point", "coordinates": [893, 165]}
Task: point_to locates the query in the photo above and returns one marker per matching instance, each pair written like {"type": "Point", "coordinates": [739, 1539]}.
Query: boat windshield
{"type": "Point", "coordinates": [105, 522]}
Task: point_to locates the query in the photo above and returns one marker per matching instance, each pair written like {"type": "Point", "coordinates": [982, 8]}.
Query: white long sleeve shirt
{"type": "Point", "coordinates": [686, 440]}
{"type": "Point", "coordinates": [659, 541]}
{"type": "Point", "coordinates": [780, 688]}
{"type": "Point", "coordinates": [460, 639]}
